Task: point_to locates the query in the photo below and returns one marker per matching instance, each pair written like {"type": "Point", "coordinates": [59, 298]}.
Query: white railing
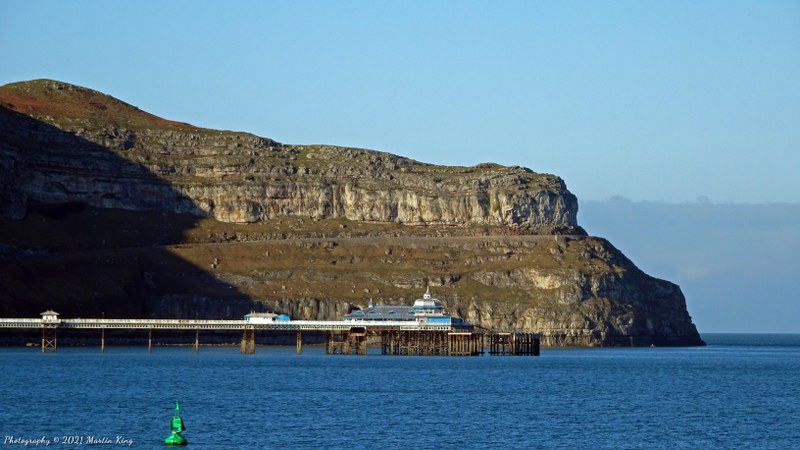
{"type": "Point", "coordinates": [300, 325]}
{"type": "Point", "coordinates": [20, 323]}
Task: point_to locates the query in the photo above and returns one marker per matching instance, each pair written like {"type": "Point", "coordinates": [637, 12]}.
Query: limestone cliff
{"type": "Point", "coordinates": [237, 177]}
{"type": "Point", "coordinates": [175, 220]}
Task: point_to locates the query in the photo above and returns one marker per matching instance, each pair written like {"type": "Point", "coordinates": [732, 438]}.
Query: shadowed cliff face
{"type": "Point", "coordinates": [52, 176]}
{"type": "Point", "coordinates": [44, 165]}
{"type": "Point", "coordinates": [106, 208]}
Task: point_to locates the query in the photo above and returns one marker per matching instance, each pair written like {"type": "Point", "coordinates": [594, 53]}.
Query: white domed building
{"type": "Point", "coordinates": [426, 310]}
{"type": "Point", "coordinates": [428, 306]}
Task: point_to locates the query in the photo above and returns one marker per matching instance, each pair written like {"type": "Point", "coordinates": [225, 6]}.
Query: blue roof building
{"type": "Point", "coordinates": [374, 311]}
{"type": "Point", "coordinates": [426, 309]}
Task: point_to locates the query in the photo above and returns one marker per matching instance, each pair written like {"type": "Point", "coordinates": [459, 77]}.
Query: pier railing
{"type": "Point", "coordinates": [343, 336]}
{"type": "Point", "coordinates": [205, 324]}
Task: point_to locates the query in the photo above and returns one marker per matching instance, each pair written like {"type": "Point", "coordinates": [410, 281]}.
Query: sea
{"type": "Point", "coordinates": [740, 391]}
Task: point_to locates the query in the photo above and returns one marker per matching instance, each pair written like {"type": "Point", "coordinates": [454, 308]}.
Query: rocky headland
{"type": "Point", "coordinates": [104, 207]}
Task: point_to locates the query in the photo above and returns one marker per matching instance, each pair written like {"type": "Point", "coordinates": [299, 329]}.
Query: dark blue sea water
{"type": "Point", "coordinates": [741, 391]}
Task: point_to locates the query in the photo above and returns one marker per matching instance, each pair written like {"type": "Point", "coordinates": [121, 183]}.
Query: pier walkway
{"type": "Point", "coordinates": [400, 337]}
{"type": "Point", "coordinates": [201, 324]}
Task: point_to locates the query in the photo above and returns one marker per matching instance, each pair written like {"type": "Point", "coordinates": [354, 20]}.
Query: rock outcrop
{"type": "Point", "coordinates": [174, 220]}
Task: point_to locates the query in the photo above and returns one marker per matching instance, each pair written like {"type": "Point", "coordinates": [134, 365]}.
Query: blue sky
{"type": "Point", "coordinates": [655, 101]}
{"type": "Point", "coordinates": [651, 100]}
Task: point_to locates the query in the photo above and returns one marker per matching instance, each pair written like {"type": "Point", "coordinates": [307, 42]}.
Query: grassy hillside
{"type": "Point", "coordinates": [98, 259]}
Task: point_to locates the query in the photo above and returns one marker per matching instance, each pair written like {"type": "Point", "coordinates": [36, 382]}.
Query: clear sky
{"type": "Point", "coordinates": [656, 101]}
{"type": "Point", "coordinates": [651, 100]}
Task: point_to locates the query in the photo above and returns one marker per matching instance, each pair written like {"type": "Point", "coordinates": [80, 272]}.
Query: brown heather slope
{"type": "Point", "coordinates": [73, 106]}
{"type": "Point", "coordinates": [107, 208]}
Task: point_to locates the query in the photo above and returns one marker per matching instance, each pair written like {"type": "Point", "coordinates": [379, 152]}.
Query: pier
{"type": "Point", "coordinates": [343, 337]}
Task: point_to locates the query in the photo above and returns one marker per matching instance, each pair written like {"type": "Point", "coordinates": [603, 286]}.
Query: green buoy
{"type": "Point", "coordinates": [176, 427]}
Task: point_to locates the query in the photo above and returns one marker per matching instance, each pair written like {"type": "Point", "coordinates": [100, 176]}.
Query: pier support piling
{"type": "Point", "coordinates": [248, 346]}
{"type": "Point", "coordinates": [102, 340]}
{"type": "Point", "coordinates": [465, 344]}
{"type": "Point", "coordinates": [299, 342]}
{"type": "Point", "coordinates": [335, 343]}
{"type": "Point", "coordinates": [514, 344]}
{"type": "Point", "coordinates": [49, 338]}
{"type": "Point", "coordinates": [347, 342]}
